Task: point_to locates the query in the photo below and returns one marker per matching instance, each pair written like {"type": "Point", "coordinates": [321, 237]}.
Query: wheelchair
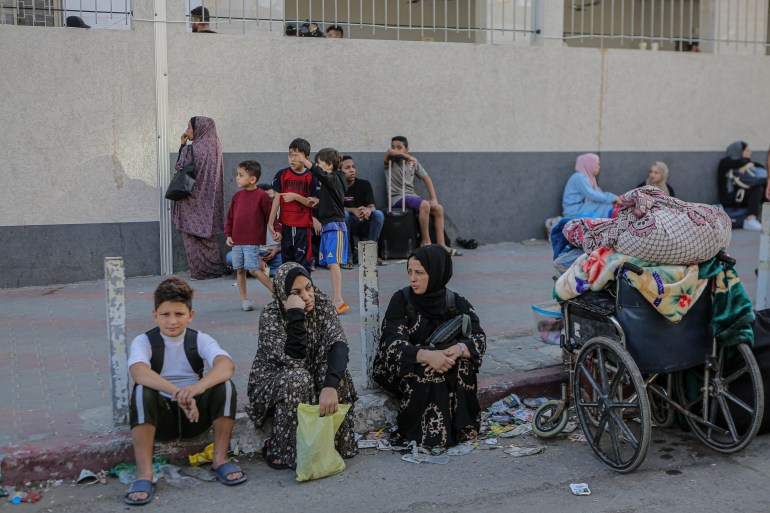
{"type": "Point", "coordinates": [629, 367]}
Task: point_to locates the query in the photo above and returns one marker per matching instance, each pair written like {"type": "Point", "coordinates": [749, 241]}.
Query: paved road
{"type": "Point", "coordinates": [678, 475]}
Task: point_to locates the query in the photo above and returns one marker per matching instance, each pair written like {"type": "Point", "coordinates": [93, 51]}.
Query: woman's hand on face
{"type": "Point", "coordinates": [184, 138]}
{"type": "Point", "coordinates": [435, 360]}
{"type": "Point", "coordinates": [293, 301]}
{"type": "Point", "coordinates": [328, 401]}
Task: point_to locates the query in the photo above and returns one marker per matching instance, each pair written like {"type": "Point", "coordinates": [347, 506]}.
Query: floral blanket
{"type": "Point", "coordinates": [670, 289]}
{"type": "Point", "coordinates": [654, 227]}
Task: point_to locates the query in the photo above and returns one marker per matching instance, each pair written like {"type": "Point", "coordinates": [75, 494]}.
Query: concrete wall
{"type": "Point", "coordinates": [497, 127]}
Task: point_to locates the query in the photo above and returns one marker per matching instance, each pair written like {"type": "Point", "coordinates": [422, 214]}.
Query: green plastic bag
{"type": "Point", "coordinates": [316, 455]}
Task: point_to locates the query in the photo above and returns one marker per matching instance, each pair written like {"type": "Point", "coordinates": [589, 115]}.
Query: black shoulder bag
{"type": "Point", "coordinates": [446, 333]}
{"type": "Point", "coordinates": [183, 182]}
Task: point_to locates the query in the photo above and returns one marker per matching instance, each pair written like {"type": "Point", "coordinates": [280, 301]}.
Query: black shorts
{"type": "Point", "coordinates": [148, 406]}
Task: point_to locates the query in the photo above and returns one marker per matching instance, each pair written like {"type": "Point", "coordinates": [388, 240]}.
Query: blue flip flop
{"type": "Point", "coordinates": [229, 468]}
{"type": "Point", "coordinates": [139, 486]}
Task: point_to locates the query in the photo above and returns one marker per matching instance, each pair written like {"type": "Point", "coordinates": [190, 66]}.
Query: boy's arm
{"type": "Point", "coordinates": [229, 223]}
{"type": "Point", "coordinates": [144, 375]}
{"type": "Point", "coordinates": [271, 219]}
{"type": "Point", "coordinates": [222, 370]}
{"type": "Point", "coordinates": [431, 189]}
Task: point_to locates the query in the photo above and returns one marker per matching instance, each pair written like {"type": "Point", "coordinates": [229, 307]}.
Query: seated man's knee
{"type": "Point", "coordinates": [437, 209]}
{"type": "Point", "coordinates": [424, 207]}
{"type": "Point", "coordinates": [377, 215]}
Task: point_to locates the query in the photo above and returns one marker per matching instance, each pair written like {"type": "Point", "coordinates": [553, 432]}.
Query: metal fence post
{"type": "Point", "coordinates": [369, 297]}
{"type": "Point", "coordinates": [763, 274]}
{"type": "Point", "coordinates": [115, 279]}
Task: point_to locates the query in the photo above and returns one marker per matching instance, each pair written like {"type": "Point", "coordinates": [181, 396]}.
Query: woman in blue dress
{"type": "Point", "coordinates": [582, 195]}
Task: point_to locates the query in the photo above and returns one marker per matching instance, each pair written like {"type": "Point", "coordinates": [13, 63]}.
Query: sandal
{"type": "Point", "coordinates": [455, 252]}
{"type": "Point", "coordinates": [140, 486]}
{"type": "Point", "coordinates": [346, 266]}
{"type": "Point", "coordinates": [226, 469]}
{"type": "Point", "coordinates": [272, 461]}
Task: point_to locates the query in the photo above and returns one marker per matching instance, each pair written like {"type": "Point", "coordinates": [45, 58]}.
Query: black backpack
{"type": "Point", "coordinates": [190, 350]}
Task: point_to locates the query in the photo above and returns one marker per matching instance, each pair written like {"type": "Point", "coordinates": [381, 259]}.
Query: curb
{"type": "Point", "coordinates": [64, 459]}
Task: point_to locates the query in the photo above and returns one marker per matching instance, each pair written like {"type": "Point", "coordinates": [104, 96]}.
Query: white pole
{"type": "Point", "coordinates": [115, 283]}
{"type": "Point", "coordinates": [369, 297]}
{"type": "Point", "coordinates": [161, 115]}
{"type": "Point", "coordinates": [763, 278]}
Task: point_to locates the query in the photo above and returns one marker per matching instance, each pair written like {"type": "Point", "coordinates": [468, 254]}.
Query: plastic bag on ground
{"type": "Point", "coordinates": [316, 455]}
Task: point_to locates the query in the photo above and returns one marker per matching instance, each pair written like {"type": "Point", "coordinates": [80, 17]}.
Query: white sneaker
{"type": "Point", "coordinates": [247, 306]}
{"type": "Point", "coordinates": [752, 225]}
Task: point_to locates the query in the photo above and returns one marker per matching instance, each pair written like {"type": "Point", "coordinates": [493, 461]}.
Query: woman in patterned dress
{"type": "Point", "coordinates": [200, 217]}
{"type": "Point", "coordinates": [301, 358]}
{"type": "Point", "coordinates": [437, 388]}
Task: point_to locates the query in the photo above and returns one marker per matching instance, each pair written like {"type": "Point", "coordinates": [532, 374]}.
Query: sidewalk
{"type": "Point", "coordinates": [55, 352]}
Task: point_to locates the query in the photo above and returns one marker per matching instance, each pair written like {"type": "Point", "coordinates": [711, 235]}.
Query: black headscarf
{"type": "Point", "coordinates": [438, 264]}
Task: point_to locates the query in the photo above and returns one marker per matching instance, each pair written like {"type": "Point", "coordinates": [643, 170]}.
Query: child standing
{"type": "Point", "coordinates": [297, 193]}
{"type": "Point", "coordinates": [271, 253]}
{"type": "Point", "coordinates": [172, 397]}
{"type": "Point", "coordinates": [245, 228]}
{"type": "Point", "coordinates": [331, 214]}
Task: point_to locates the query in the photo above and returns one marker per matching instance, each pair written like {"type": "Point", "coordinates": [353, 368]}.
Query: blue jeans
{"type": "Point", "coordinates": [365, 230]}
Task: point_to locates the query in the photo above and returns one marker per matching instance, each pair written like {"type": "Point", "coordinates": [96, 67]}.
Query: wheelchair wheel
{"type": "Point", "coordinates": [659, 397]}
{"type": "Point", "coordinates": [611, 404]}
{"type": "Point", "coordinates": [728, 416]}
{"type": "Point", "coordinates": [547, 423]}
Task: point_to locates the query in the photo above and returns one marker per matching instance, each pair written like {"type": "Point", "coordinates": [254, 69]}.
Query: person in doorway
{"type": "Point", "coordinates": [361, 215]}
{"type": "Point", "coordinates": [398, 159]}
{"type": "Point", "coordinates": [199, 20]}
{"type": "Point", "coordinates": [200, 217]}
{"type": "Point", "coordinates": [182, 388]}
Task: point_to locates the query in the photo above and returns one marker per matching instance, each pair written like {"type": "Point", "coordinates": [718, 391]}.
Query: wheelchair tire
{"type": "Point", "coordinates": [663, 414]}
{"type": "Point", "coordinates": [544, 425]}
{"type": "Point", "coordinates": [732, 422]}
{"type": "Point", "coordinates": [611, 404]}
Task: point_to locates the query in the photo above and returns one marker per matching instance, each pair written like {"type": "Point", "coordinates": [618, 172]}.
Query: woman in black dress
{"type": "Point", "coordinates": [437, 388]}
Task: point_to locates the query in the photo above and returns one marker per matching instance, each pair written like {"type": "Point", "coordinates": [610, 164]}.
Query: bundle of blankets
{"type": "Point", "coordinates": [675, 244]}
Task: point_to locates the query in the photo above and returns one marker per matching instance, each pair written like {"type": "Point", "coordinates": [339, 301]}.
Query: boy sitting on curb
{"type": "Point", "coordinates": [172, 397]}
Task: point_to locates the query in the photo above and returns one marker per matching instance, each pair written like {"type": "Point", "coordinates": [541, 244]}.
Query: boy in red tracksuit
{"type": "Point", "coordinates": [297, 192]}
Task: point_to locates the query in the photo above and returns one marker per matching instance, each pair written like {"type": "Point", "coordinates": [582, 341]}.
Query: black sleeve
{"type": "Point", "coordinates": [368, 195]}
{"type": "Point", "coordinates": [322, 176]}
{"type": "Point", "coordinates": [336, 364]}
{"type": "Point", "coordinates": [296, 337]}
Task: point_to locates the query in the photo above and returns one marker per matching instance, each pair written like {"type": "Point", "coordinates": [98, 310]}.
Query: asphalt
{"type": "Point", "coordinates": [54, 357]}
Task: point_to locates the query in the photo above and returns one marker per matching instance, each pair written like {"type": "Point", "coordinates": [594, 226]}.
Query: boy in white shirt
{"type": "Point", "coordinates": [173, 398]}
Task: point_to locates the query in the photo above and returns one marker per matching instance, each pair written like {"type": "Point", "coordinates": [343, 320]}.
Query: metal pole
{"type": "Point", "coordinates": [369, 297]}
{"type": "Point", "coordinates": [115, 283]}
{"type": "Point", "coordinates": [763, 272]}
{"type": "Point", "coordinates": [161, 114]}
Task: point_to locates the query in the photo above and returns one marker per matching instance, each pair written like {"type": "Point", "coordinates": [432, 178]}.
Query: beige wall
{"type": "Point", "coordinates": [78, 117]}
{"type": "Point", "coordinates": [78, 126]}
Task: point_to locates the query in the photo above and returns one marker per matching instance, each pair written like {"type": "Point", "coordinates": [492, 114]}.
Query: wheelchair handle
{"type": "Point", "coordinates": [724, 257]}
{"type": "Point", "coordinates": [632, 267]}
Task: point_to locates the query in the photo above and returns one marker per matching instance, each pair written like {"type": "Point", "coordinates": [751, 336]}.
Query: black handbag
{"type": "Point", "coordinates": [445, 335]}
{"type": "Point", "coordinates": [183, 182]}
